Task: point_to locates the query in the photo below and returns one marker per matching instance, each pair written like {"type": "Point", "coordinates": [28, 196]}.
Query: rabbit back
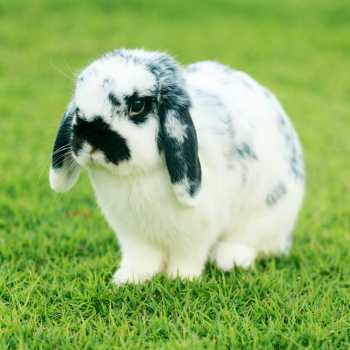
{"type": "Point", "coordinates": [247, 137]}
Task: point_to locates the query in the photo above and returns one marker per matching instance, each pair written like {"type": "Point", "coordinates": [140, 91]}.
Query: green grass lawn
{"type": "Point", "coordinates": [57, 254]}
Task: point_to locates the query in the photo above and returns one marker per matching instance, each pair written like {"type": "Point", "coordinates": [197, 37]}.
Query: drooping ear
{"type": "Point", "coordinates": [64, 171]}
{"type": "Point", "coordinates": [178, 140]}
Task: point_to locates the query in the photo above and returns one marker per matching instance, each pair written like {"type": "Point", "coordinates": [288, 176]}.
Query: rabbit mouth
{"type": "Point", "coordinates": [89, 157]}
{"type": "Point", "coordinates": [93, 142]}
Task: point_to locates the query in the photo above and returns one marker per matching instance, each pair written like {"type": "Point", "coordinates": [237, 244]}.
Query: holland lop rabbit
{"type": "Point", "coordinates": [188, 164]}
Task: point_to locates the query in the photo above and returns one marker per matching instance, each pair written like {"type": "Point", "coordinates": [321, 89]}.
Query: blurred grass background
{"type": "Point", "coordinates": [57, 253]}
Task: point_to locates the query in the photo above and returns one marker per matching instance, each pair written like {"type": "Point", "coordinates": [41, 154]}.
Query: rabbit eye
{"type": "Point", "coordinates": [137, 107]}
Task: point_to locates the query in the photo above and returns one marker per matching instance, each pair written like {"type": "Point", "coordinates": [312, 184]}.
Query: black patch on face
{"type": "Point", "coordinates": [276, 194]}
{"type": "Point", "coordinates": [99, 135]}
{"type": "Point", "coordinates": [62, 142]}
{"type": "Point", "coordinates": [148, 104]}
{"type": "Point", "coordinates": [114, 101]}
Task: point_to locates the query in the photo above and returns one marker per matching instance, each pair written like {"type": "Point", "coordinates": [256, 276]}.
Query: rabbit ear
{"type": "Point", "coordinates": [177, 134]}
{"type": "Point", "coordinates": [64, 171]}
{"type": "Point", "coordinates": [178, 140]}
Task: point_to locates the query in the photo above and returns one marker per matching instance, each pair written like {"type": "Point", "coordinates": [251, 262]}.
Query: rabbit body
{"type": "Point", "coordinates": [252, 184]}
{"type": "Point", "coordinates": [250, 194]}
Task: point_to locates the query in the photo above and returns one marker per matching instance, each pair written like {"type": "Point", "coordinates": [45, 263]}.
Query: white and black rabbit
{"type": "Point", "coordinates": [187, 163]}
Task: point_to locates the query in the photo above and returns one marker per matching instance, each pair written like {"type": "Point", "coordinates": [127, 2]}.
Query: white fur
{"type": "Point", "coordinates": [61, 181]}
{"type": "Point", "coordinates": [175, 128]}
{"type": "Point", "coordinates": [229, 219]}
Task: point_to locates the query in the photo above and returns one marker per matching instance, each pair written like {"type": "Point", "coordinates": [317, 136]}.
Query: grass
{"type": "Point", "coordinates": [57, 254]}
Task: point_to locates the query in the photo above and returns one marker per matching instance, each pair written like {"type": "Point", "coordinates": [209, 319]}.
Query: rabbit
{"type": "Point", "coordinates": [188, 164]}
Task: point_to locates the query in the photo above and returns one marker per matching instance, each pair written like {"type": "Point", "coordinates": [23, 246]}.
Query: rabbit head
{"type": "Point", "coordinates": [130, 113]}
